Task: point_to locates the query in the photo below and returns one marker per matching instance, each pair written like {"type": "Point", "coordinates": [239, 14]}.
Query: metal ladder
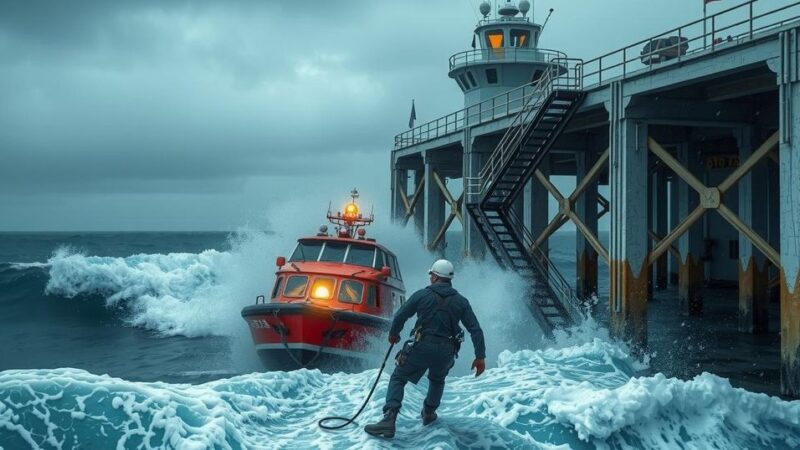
{"type": "Point", "coordinates": [527, 140]}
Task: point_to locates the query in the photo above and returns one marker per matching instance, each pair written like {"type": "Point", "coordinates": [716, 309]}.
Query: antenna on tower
{"type": "Point", "coordinates": [545, 20]}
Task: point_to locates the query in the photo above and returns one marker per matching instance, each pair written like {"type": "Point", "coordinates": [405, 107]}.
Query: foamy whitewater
{"type": "Point", "coordinates": [577, 397]}
{"type": "Point", "coordinates": [581, 391]}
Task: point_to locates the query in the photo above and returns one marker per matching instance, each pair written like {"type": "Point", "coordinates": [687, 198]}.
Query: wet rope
{"type": "Point", "coordinates": [326, 337]}
{"type": "Point", "coordinates": [363, 405]}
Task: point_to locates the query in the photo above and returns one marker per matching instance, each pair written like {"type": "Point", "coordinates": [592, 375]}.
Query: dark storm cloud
{"type": "Point", "coordinates": [145, 103]}
{"type": "Point", "coordinates": [142, 91]}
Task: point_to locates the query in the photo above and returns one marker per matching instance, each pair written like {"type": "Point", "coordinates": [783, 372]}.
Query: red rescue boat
{"type": "Point", "coordinates": [333, 294]}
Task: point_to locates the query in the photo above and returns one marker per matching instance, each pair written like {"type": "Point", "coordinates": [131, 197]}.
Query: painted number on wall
{"type": "Point", "coordinates": [717, 162]}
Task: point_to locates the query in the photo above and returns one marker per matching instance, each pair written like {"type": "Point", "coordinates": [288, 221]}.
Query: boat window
{"type": "Point", "coordinates": [277, 287]}
{"type": "Point", "coordinates": [322, 289]}
{"type": "Point", "coordinates": [494, 39]}
{"type": "Point", "coordinates": [520, 38]}
{"type": "Point", "coordinates": [296, 286]}
{"type": "Point", "coordinates": [351, 292]}
{"type": "Point", "coordinates": [361, 255]}
{"type": "Point", "coordinates": [372, 296]}
{"type": "Point", "coordinates": [379, 260]}
{"type": "Point", "coordinates": [395, 268]}
{"type": "Point", "coordinates": [306, 251]}
{"type": "Point", "coordinates": [491, 76]}
{"type": "Point", "coordinates": [333, 252]}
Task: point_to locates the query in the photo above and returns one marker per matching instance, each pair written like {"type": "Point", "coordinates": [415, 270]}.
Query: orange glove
{"type": "Point", "coordinates": [479, 365]}
{"type": "Point", "coordinates": [394, 339]}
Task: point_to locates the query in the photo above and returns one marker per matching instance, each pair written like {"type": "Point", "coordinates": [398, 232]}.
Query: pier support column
{"type": "Point", "coordinates": [419, 208]}
{"type": "Point", "coordinates": [691, 273]}
{"type": "Point", "coordinates": [789, 156]}
{"type": "Point", "coordinates": [659, 224]}
{"type": "Point", "coordinates": [586, 209]}
{"type": "Point", "coordinates": [540, 205]}
{"type": "Point", "coordinates": [753, 211]}
{"type": "Point", "coordinates": [628, 244]}
{"type": "Point", "coordinates": [399, 184]}
{"type": "Point", "coordinates": [673, 222]}
{"type": "Point", "coordinates": [434, 208]}
{"type": "Point", "coordinates": [475, 154]}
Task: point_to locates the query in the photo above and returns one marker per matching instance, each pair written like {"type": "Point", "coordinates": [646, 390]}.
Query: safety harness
{"type": "Point", "coordinates": [418, 333]}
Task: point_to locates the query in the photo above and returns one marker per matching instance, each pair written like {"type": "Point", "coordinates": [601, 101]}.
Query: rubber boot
{"type": "Point", "coordinates": [386, 427]}
{"type": "Point", "coordinates": [428, 415]}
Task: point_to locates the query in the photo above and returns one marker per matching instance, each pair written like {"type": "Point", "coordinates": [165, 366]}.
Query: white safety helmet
{"type": "Point", "coordinates": [442, 268]}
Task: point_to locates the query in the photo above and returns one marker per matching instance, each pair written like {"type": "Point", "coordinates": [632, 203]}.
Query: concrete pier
{"type": "Point", "coordinates": [703, 168]}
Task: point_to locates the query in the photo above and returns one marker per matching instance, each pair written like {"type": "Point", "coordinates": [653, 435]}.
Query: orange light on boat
{"type": "Point", "coordinates": [322, 289]}
{"type": "Point", "coordinates": [351, 211]}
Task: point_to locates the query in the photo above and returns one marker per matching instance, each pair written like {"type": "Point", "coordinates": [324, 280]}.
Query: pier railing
{"type": "Point", "coordinates": [715, 32]}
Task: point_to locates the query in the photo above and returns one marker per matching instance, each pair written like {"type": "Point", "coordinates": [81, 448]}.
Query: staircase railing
{"type": "Point", "coordinates": [561, 74]}
{"type": "Point", "coordinates": [558, 284]}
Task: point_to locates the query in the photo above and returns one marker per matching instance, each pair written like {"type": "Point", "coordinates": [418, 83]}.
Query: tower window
{"type": "Point", "coordinates": [464, 80]}
{"type": "Point", "coordinates": [491, 76]}
{"type": "Point", "coordinates": [460, 85]}
{"type": "Point", "coordinates": [471, 79]}
{"type": "Point", "coordinates": [494, 39]}
{"type": "Point", "coordinates": [520, 38]}
{"type": "Point", "coordinates": [536, 75]}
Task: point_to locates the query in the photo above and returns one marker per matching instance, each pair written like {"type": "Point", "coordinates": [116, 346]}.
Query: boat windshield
{"type": "Point", "coordinates": [356, 254]}
{"type": "Point", "coordinates": [361, 255]}
{"type": "Point", "coordinates": [306, 251]}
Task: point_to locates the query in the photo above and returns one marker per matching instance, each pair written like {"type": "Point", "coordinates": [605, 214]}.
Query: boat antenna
{"type": "Point", "coordinates": [546, 19]}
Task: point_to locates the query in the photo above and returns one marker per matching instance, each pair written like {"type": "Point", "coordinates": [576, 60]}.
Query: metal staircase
{"type": "Point", "coordinates": [525, 143]}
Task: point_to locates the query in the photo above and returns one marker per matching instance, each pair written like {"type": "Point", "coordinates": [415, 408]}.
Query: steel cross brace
{"type": "Point", "coordinates": [565, 211]}
{"type": "Point", "coordinates": [712, 198]}
{"type": "Point", "coordinates": [455, 210]}
{"type": "Point", "coordinates": [410, 205]}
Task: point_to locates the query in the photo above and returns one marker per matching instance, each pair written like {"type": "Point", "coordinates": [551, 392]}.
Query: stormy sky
{"type": "Point", "coordinates": [178, 115]}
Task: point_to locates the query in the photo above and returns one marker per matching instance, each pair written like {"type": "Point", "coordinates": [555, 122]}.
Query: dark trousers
{"type": "Point", "coordinates": [431, 354]}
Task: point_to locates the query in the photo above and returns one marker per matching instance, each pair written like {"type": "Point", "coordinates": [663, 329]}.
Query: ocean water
{"type": "Point", "coordinates": [134, 340]}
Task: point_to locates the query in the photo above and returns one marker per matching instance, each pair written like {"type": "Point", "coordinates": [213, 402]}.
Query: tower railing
{"type": "Point", "coordinates": [562, 74]}
{"type": "Point", "coordinates": [512, 54]}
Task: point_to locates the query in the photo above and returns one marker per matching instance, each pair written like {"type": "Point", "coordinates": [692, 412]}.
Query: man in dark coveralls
{"type": "Point", "coordinates": [439, 309]}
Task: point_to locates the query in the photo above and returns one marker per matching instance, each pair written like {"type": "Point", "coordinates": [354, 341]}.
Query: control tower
{"type": "Point", "coordinates": [507, 55]}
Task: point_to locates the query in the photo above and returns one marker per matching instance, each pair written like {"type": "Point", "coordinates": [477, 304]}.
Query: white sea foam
{"type": "Point", "coordinates": [575, 397]}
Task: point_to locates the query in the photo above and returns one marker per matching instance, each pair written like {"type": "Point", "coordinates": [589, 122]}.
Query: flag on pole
{"type": "Point", "coordinates": [413, 116]}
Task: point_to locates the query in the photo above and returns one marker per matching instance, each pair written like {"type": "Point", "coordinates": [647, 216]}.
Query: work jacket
{"type": "Point", "coordinates": [441, 321]}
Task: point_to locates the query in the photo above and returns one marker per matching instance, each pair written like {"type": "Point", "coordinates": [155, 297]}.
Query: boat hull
{"type": "Point", "coordinates": [290, 336]}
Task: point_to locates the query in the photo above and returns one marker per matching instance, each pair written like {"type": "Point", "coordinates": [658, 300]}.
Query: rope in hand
{"type": "Point", "coordinates": [364, 405]}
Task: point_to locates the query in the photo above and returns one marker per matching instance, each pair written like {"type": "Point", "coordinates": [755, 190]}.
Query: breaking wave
{"type": "Point", "coordinates": [582, 396]}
